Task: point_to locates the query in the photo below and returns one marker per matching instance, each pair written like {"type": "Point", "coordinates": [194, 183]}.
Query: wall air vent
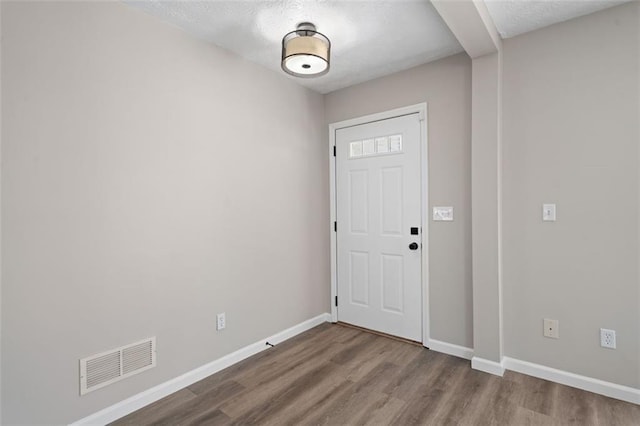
{"type": "Point", "coordinates": [111, 366]}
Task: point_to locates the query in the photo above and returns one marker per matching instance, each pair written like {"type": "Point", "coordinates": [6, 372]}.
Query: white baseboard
{"type": "Point", "coordinates": [590, 384]}
{"type": "Point", "coordinates": [450, 349]}
{"type": "Point", "coordinates": [487, 366]}
{"type": "Point", "coordinates": [149, 396]}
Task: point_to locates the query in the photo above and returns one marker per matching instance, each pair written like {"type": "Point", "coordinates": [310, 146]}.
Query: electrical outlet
{"type": "Point", "coordinates": [551, 328]}
{"type": "Point", "coordinates": [221, 321]}
{"type": "Point", "coordinates": [607, 338]}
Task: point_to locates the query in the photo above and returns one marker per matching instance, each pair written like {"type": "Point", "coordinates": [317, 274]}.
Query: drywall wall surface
{"type": "Point", "coordinates": [446, 87]}
{"type": "Point", "coordinates": [485, 189]}
{"type": "Point", "coordinates": [149, 181]}
{"type": "Point", "coordinates": [570, 137]}
{"type": "Point", "coordinates": [0, 219]}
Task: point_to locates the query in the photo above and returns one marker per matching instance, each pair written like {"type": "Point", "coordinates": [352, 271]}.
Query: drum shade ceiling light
{"type": "Point", "coordinates": [305, 52]}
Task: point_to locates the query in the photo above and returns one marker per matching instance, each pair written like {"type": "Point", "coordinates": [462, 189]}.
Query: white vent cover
{"type": "Point", "coordinates": [108, 367]}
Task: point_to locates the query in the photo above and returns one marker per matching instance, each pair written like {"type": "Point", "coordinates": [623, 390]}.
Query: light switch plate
{"type": "Point", "coordinates": [549, 212]}
{"type": "Point", "coordinates": [443, 213]}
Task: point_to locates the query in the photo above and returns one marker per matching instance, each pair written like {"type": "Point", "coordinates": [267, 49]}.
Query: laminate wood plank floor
{"type": "Point", "coordinates": [337, 375]}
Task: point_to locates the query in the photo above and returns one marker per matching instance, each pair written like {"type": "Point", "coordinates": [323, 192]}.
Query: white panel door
{"type": "Point", "coordinates": [377, 204]}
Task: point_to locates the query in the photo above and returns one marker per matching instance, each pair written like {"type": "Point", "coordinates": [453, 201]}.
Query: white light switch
{"type": "Point", "coordinates": [549, 212]}
{"type": "Point", "coordinates": [443, 213]}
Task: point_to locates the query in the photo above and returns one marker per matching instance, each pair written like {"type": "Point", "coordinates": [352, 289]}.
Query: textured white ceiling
{"type": "Point", "coordinates": [514, 17]}
{"type": "Point", "coordinates": [369, 38]}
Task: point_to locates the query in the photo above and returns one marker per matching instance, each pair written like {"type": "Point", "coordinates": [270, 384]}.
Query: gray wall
{"type": "Point", "coordinates": [149, 181]}
{"type": "Point", "coordinates": [485, 201]}
{"type": "Point", "coordinates": [0, 221]}
{"type": "Point", "coordinates": [571, 138]}
{"type": "Point", "coordinates": [446, 87]}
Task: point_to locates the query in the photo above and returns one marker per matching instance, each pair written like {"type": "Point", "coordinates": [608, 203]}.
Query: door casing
{"type": "Point", "coordinates": [421, 109]}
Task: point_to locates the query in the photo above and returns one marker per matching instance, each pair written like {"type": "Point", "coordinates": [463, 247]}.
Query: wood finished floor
{"type": "Point", "coordinates": [336, 375]}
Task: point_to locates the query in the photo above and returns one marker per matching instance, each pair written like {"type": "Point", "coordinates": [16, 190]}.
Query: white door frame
{"type": "Point", "coordinates": [424, 203]}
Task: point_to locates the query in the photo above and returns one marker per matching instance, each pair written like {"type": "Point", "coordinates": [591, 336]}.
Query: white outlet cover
{"type": "Point", "coordinates": [607, 338]}
{"type": "Point", "coordinates": [551, 328]}
{"type": "Point", "coordinates": [443, 214]}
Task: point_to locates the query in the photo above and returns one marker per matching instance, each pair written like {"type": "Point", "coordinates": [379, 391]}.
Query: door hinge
{"type": "Point", "coordinates": [335, 226]}
{"type": "Point", "coordinates": [334, 150]}
{"type": "Point", "coordinates": [336, 300]}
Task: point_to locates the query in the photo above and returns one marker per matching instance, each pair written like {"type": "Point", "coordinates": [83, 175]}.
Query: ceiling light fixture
{"type": "Point", "coordinates": [305, 52]}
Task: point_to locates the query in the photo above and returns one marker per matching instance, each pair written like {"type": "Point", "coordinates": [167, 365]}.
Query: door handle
{"type": "Point", "coordinates": [413, 246]}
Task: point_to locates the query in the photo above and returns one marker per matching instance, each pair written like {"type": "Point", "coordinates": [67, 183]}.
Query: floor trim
{"type": "Point", "coordinates": [487, 366]}
{"type": "Point", "coordinates": [149, 396]}
{"type": "Point", "coordinates": [450, 349]}
{"type": "Point", "coordinates": [590, 384]}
